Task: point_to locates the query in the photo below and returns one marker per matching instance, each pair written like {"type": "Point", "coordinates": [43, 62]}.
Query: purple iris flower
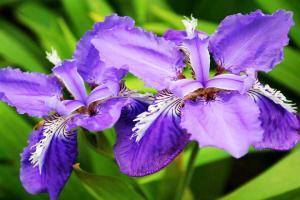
{"type": "Point", "coordinates": [46, 162]}
{"type": "Point", "coordinates": [230, 110]}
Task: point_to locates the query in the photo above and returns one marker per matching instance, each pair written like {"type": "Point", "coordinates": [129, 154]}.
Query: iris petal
{"type": "Point", "coordinates": [68, 74]}
{"type": "Point", "coordinates": [280, 122]}
{"type": "Point", "coordinates": [143, 53]}
{"type": "Point", "coordinates": [32, 93]}
{"type": "Point", "coordinates": [46, 163]}
{"type": "Point", "coordinates": [162, 138]}
{"type": "Point", "coordinates": [90, 67]}
{"type": "Point", "coordinates": [252, 41]}
{"type": "Point", "coordinates": [230, 122]}
{"type": "Point", "coordinates": [198, 55]}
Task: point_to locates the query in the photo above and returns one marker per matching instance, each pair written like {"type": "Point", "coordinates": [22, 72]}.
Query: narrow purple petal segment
{"type": "Point", "coordinates": [99, 93]}
{"type": "Point", "coordinates": [55, 161]}
{"type": "Point", "coordinates": [32, 93]}
{"type": "Point", "coordinates": [231, 82]}
{"type": "Point", "coordinates": [70, 106]}
{"type": "Point", "coordinates": [179, 36]}
{"type": "Point", "coordinates": [281, 127]}
{"type": "Point", "coordinates": [197, 52]}
{"type": "Point", "coordinates": [151, 58]}
{"type": "Point", "coordinates": [90, 67]}
{"type": "Point", "coordinates": [230, 123]}
{"type": "Point", "coordinates": [253, 41]}
{"type": "Point", "coordinates": [104, 115]}
{"type": "Point", "coordinates": [68, 74]}
{"type": "Point", "coordinates": [162, 139]}
{"type": "Point", "coordinates": [175, 36]}
{"type": "Point", "coordinates": [183, 87]}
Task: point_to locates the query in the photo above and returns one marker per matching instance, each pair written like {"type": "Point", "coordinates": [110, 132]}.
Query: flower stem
{"type": "Point", "coordinates": [188, 174]}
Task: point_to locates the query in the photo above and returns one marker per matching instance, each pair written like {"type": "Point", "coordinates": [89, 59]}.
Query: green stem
{"type": "Point", "coordinates": [187, 176]}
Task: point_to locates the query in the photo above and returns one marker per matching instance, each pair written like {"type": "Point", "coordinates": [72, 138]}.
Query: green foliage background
{"type": "Point", "coordinates": [29, 28]}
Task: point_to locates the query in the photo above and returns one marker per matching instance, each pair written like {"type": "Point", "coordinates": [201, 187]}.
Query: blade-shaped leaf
{"type": "Point", "coordinates": [100, 7]}
{"type": "Point", "coordinates": [173, 19]}
{"type": "Point", "coordinates": [106, 187]}
{"type": "Point", "coordinates": [78, 13]}
{"type": "Point", "coordinates": [14, 42]}
{"type": "Point", "coordinates": [279, 179]}
{"type": "Point", "coordinates": [44, 23]}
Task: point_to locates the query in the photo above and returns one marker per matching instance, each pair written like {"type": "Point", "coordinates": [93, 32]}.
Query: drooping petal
{"type": "Point", "coordinates": [157, 138]}
{"type": "Point", "coordinates": [46, 163]}
{"type": "Point", "coordinates": [90, 67]}
{"type": "Point", "coordinates": [279, 120]}
{"type": "Point", "coordinates": [253, 41]}
{"type": "Point", "coordinates": [68, 74]}
{"type": "Point", "coordinates": [197, 52]}
{"type": "Point", "coordinates": [230, 122]}
{"type": "Point", "coordinates": [183, 87]}
{"type": "Point", "coordinates": [32, 93]}
{"type": "Point", "coordinates": [142, 53]}
{"type": "Point", "coordinates": [103, 116]}
{"type": "Point", "coordinates": [231, 82]}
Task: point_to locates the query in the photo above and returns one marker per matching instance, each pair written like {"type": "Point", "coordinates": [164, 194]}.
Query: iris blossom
{"type": "Point", "coordinates": [229, 111]}
{"type": "Point", "coordinates": [46, 162]}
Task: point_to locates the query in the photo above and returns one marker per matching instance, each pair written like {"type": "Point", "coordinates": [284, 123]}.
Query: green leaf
{"type": "Point", "coordinates": [100, 7]}
{"type": "Point", "coordinates": [98, 142]}
{"type": "Point", "coordinates": [279, 179]}
{"type": "Point", "coordinates": [176, 21]}
{"type": "Point", "coordinates": [106, 187]}
{"type": "Point", "coordinates": [45, 24]}
{"type": "Point", "coordinates": [291, 5]}
{"type": "Point", "coordinates": [290, 195]}
{"type": "Point", "coordinates": [140, 8]}
{"type": "Point", "coordinates": [157, 27]}
{"type": "Point", "coordinates": [134, 83]}
{"type": "Point", "coordinates": [78, 13]}
{"type": "Point", "coordinates": [68, 35]}
{"type": "Point", "coordinates": [14, 42]}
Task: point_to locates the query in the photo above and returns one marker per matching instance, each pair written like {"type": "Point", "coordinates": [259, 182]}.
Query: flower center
{"type": "Point", "coordinates": [207, 93]}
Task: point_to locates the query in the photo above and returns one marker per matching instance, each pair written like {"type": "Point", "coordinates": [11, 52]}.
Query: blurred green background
{"type": "Point", "coordinates": [29, 28]}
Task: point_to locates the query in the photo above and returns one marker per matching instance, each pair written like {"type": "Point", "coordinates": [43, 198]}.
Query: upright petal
{"type": "Point", "coordinates": [102, 116]}
{"type": "Point", "coordinates": [46, 163]}
{"type": "Point", "coordinates": [230, 122]}
{"type": "Point", "coordinates": [198, 55]}
{"type": "Point", "coordinates": [279, 120]}
{"type": "Point", "coordinates": [90, 67]}
{"type": "Point", "coordinates": [156, 140]}
{"type": "Point", "coordinates": [142, 53]}
{"type": "Point", "coordinates": [68, 74]}
{"type": "Point", "coordinates": [32, 93]}
{"type": "Point", "coordinates": [253, 41]}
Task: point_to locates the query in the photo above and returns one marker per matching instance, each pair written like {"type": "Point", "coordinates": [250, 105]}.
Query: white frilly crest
{"type": "Point", "coordinates": [54, 126]}
{"type": "Point", "coordinates": [163, 100]}
{"type": "Point", "coordinates": [53, 57]}
{"type": "Point", "coordinates": [190, 25]}
{"type": "Point", "coordinates": [275, 95]}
